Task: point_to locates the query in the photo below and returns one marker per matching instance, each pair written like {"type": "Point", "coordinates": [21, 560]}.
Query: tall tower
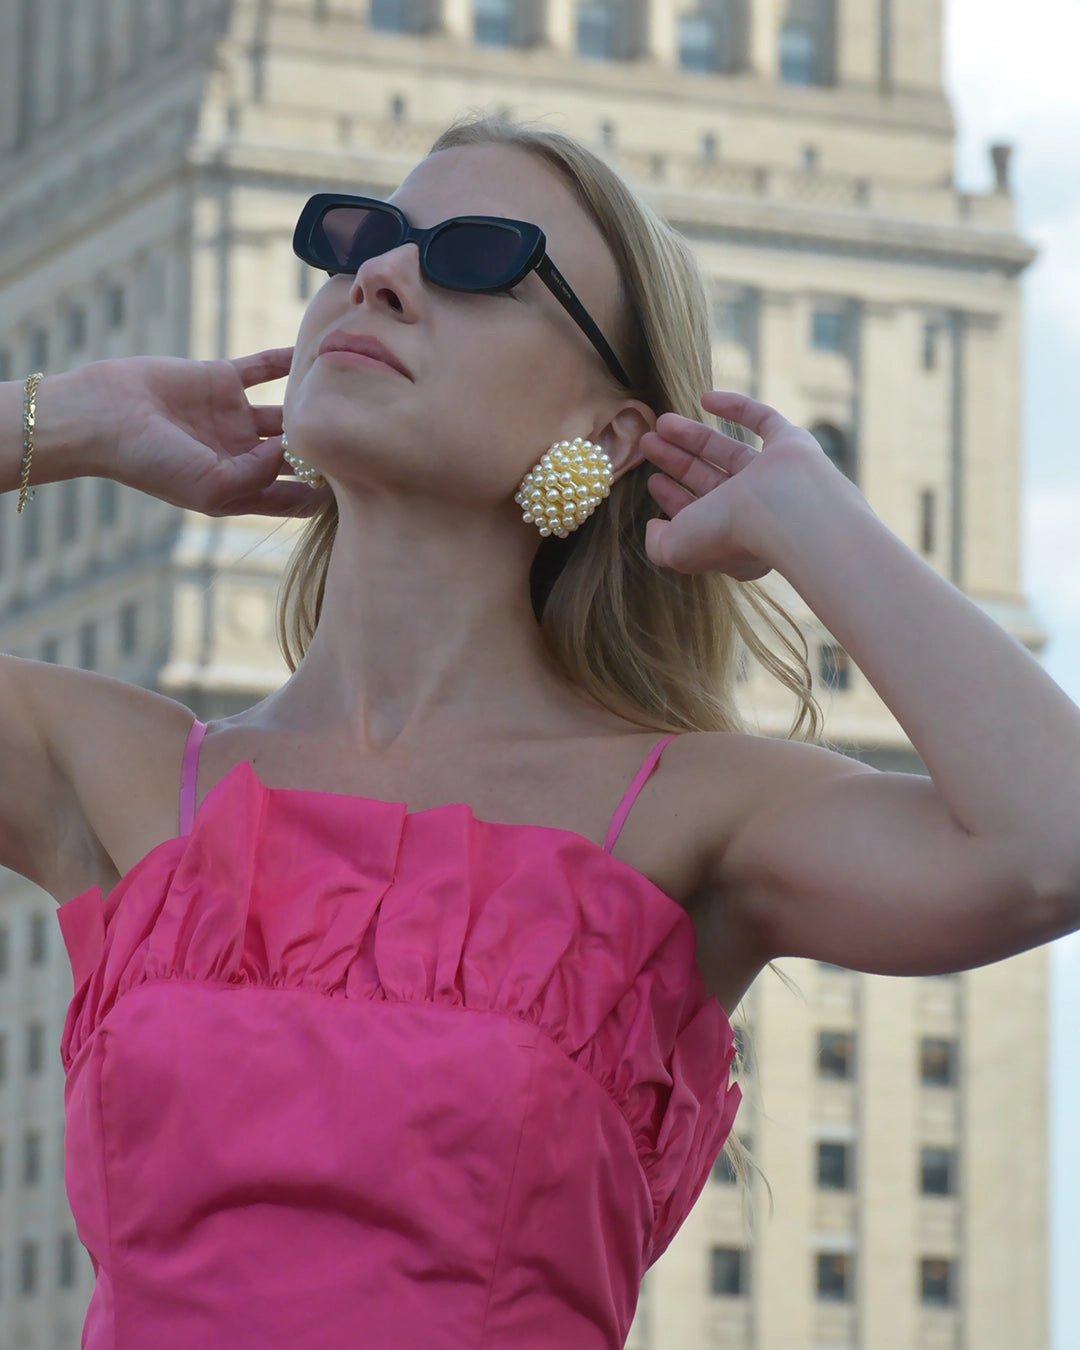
{"type": "Point", "coordinates": [154, 157]}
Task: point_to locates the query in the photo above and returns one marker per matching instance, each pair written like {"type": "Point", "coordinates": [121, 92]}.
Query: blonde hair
{"type": "Point", "coordinates": [656, 647]}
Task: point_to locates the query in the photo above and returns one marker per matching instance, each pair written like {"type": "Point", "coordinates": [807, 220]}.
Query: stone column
{"type": "Point", "coordinates": [456, 18]}
{"type": "Point", "coordinates": [858, 44]}
{"type": "Point", "coordinates": [763, 47]}
{"type": "Point", "coordinates": [558, 25]}
{"type": "Point", "coordinates": [660, 31]}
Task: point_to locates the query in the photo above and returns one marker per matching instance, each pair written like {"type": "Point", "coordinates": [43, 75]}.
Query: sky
{"type": "Point", "coordinates": [1011, 76]}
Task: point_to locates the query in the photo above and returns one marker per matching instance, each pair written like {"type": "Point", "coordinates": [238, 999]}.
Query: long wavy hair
{"type": "Point", "coordinates": [657, 647]}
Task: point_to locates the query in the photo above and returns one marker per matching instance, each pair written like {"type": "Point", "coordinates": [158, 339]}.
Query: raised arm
{"type": "Point", "coordinates": [892, 873]}
{"type": "Point", "coordinates": [177, 429]}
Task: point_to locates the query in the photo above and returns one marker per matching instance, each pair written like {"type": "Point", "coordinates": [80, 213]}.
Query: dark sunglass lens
{"type": "Point", "coordinates": [474, 257]}
{"type": "Point", "coordinates": [354, 234]}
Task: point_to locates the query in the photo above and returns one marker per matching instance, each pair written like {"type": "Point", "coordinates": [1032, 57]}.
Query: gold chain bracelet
{"type": "Point", "coordinates": [29, 413]}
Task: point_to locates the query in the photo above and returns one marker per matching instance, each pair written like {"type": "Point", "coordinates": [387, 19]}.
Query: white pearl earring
{"type": "Point", "coordinates": [566, 487]}
{"type": "Point", "coordinates": [303, 471]}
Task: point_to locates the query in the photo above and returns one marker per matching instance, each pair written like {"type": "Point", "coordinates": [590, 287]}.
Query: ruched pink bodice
{"type": "Point", "coordinates": [344, 1075]}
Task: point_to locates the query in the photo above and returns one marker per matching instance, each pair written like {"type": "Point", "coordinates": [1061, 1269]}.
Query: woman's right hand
{"type": "Point", "coordinates": [184, 431]}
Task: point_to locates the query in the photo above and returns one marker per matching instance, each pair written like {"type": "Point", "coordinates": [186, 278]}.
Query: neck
{"type": "Point", "coordinates": [427, 632]}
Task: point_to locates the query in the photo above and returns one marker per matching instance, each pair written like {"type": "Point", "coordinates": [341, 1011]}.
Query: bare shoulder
{"type": "Point", "coordinates": [718, 781]}
{"type": "Point", "coordinates": [116, 748]}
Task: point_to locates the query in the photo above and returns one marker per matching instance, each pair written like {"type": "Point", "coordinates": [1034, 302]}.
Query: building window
{"type": "Point", "coordinates": [937, 1171]}
{"type": "Point", "coordinates": [828, 330]}
{"type": "Point", "coordinates": [115, 305]}
{"type": "Point", "coordinates": [710, 147]}
{"type": "Point", "coordinates": [929, 346]}
{"type": "Point", "coordinates": [493, 22]}
{"type": "Point", "coordinates": [67, 1254]}
{"type": "Point", "coordinates": [723, 1169]}
{"type": "Point", "coordinates": [834, 666]}
{"type": "Point", "coordinates": [28, 1268]}
{"type": "Point", "coordinates": [50, 650]}
{"type": "Point", "coordinates": [398, 109]}
{"type": "Point", "coordinates": [39, 349]}
{"type": "Point", "coordinates": [807, 42]}
{"type": "Point", "coordinates": [744, 1050]}
{"type": "Point", "coordinates": [836, 1167]}
{"type": "Point", "coordinates": [607, 135]}
{"type": "Point", "coordinates": [938, 1062]}
{"type": "Point", "coordinates": [88, 645]}
{"type": "Point", "coordinates": [31, 1158]}
{"type": "Point", "coordinates": [37, 939]}
{"type": "Point", "coordinates": [76, 327]}
{"type": "Point", "coordinates": [107, 499]}
{"type": "Point", "coordinates": [926, 520]}
{"type": "Point", "coordinates": [938, 1280]}
{"type": "Point", "coordinates": [727, 319]}
{"type": "Point", "coordinates": [811, 158]}
{"type": "Point", "coordinates": [596, 31]}
{"type": "Point", "coordinates": [69, 510]}
{"type": "Point", "coordinates": [835, 1276]}
{"type": "Point", "coordinates": [730, 1272]}
{"type": "Point", "coordinates": [836, 445]}
{"type": "Point", "coordinates": [391, 16]}
{"type": "Point", "coordinates": [836, 1054]}
{"type": "Point", "coordinates": [711, 38]}
{"type": "Point", "coordinates": [129, 627]}
{"type": "Point", "coordinates": [35, 1047]}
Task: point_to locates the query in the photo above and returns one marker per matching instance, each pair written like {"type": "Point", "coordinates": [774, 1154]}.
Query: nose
{"type": "Point", "coordinates": [391, 279]}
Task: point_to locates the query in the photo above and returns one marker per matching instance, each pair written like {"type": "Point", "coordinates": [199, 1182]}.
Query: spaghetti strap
{"type": "Point", "coordinates": [189, 774]}
{"type": "Point", "coordinates": [623, 809]}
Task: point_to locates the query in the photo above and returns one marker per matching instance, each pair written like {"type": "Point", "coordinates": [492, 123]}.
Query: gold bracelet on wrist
{"type": "Point", "coordinates": [29, 412]}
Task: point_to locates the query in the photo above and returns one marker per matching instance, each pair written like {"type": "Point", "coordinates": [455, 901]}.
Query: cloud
{"type": "Point", "coordinates": [1007, 71]}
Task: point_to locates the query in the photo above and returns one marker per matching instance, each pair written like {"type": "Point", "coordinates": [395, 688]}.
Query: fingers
{"type": "Point", "coordinates": [748, 412]}
{"type": "Point", "coordinates": [669, 495]}
{"type": "Point", "coordinates": [692, 454]}
{"type": "Point", "coordinates": [282, 498]}
{"type": "Point", "coordinates": [693, 473]}
{"type": "Point", "coordinates": [260, 367]}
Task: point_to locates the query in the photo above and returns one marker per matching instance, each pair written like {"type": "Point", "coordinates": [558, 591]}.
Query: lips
{"type": "Point", "coordinates": [341, 341]}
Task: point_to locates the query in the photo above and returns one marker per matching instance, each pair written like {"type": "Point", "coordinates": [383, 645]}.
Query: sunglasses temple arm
{"type": "Point", "coordinates": [556, 283]}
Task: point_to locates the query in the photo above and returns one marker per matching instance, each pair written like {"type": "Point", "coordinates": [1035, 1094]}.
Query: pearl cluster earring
{"type": "Point", "coordinates": [566, 487]}
{"type": "Point", "coordinates": [303, 471]}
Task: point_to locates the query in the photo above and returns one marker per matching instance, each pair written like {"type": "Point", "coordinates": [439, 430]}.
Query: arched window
{"type": "Point", "coordinates": [808, 42]}
{"type": "Point", "coordinates": [836, 445]}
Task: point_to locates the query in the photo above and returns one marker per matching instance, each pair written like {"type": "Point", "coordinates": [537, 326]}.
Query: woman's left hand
{"type": "Point", "coordinates": [722, 496]}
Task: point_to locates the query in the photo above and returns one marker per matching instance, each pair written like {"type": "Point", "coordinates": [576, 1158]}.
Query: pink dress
{"type": "Point", "coordinates": [341, 1074]}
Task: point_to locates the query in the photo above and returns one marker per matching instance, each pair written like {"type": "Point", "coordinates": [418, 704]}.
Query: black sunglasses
{"type": "Point", "coordinates": [467, 253]}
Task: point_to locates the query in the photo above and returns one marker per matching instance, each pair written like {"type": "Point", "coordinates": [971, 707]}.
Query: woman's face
{"type": "Point", "coordinates": [493, 379]}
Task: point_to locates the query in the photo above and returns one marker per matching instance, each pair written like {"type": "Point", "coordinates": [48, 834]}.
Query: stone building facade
{"type": "Point", "coordinates": [154, 155]}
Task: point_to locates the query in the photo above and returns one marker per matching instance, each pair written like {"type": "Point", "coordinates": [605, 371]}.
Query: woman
{"type": "Point", "coordinates": [415, 1034]}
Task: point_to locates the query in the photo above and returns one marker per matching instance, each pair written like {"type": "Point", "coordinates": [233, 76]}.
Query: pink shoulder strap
{"type": "Point", "coordinates": [188, 774]}
{"type": "Point", "coordinates": [623, 809]}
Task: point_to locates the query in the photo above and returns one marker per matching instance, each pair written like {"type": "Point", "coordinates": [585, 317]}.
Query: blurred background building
{"type": "Point", "coordinates": [154, 155]}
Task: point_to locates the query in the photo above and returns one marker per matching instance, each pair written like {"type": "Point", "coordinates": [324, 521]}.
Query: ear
{"type": "Point", "coordinates": [621, 437]}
